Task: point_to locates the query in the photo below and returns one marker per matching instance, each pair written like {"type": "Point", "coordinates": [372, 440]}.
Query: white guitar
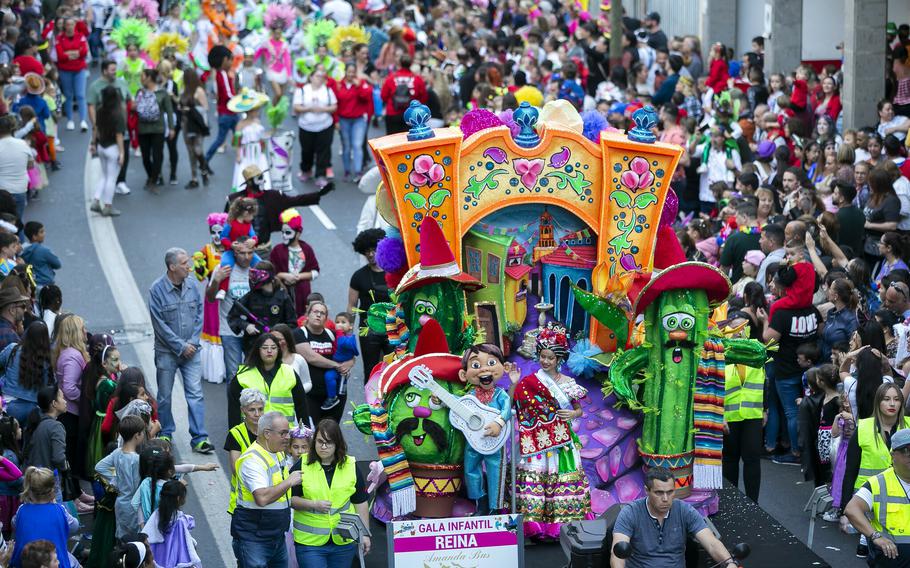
{"type": "Point", "coordinates": [468, 414]}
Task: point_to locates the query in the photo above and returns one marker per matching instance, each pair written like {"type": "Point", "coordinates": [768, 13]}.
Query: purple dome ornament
{"type": "Point", "coordinates": [477, 120]}
{"type": "Point", "coordinates": [670, 211]}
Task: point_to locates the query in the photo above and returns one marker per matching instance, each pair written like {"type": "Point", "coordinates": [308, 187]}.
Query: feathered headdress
{"type": "Point", "coordinates": [275, 114]}
{"type": "Point", "coordinates": [132, 31]}
{"type": "Point", "coordinates": [191, 11]}
{"type": "Point", "coordinates": [166, 44]}
{"type": "Point", "coordinates": [255, 20]}
{"type": "Point", "coordinates": [347, 37]}
{"type": "Point", "coordinates": [147, 9]}
{"type": "Point", "coordinates": [279, 16]}
{"type": "Point", "coordinates": [318, 33]}
{"type": "Point", "coordinates": [223, 26]}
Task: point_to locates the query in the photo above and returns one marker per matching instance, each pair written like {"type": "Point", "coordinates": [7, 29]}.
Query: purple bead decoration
{"type": "Point", "coordinates": [477, 120]}
{"type": "Point", "coordinates": [671, 209]}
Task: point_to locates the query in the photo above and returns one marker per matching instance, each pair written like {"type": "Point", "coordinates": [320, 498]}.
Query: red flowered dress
{"type": "Point", "coordinates": [550, 483]}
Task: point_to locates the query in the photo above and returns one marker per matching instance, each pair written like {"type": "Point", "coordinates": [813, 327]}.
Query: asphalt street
{"type": "Point", "coordinates": [150, 224]}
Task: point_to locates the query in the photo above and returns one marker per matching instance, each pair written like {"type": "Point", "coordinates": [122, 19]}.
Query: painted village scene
{"type": "Point", "coordinates": [551, 340]}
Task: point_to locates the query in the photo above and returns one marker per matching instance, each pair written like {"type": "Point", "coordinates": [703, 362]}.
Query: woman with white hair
{"type": "Point", "coordinates": [239, 438]}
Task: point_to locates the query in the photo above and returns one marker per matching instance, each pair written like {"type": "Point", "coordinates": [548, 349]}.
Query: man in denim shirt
{"type": "Point", "coordinates": [175, 305]}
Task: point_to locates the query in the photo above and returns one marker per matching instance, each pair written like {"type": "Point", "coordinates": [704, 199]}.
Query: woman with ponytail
{"type": "Point", "coordinates": [893, 248]}
{"type": "Point", "coordinates": [169, 530]}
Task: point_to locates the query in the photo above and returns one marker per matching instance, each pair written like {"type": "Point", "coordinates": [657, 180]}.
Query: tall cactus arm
{"type": "Point", "coordinates": [748, 352]}
{"type": "Point", "coordinates": [623, 370]}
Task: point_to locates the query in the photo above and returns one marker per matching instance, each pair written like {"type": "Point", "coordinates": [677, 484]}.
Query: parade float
{"type": "Point", "coordinates": [543, 233]}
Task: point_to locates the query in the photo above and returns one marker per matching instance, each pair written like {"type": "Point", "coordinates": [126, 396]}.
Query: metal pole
{"type": "Point", "coordinates": [514, 456]}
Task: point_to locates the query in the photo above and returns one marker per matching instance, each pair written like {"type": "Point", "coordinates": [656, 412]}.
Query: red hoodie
{"type": "Point", "coordinates": [75, 43]}
{"type": "Point", "coordinates": [415, 84]}
{"type": "Point", "coordinates": [799, 295]}
{"type": "Point", "coordinates": [354, 101]}
{"type": "Point", "coordinates": [717, 76]}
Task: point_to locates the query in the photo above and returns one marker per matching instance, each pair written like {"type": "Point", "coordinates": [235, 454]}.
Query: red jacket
{"type": "Point", "coordinates": [415, 84]}
{"type": "Point", "coordinates": [717, 76]}
{"type": "Point", "coordinates": [224, 89]}
{"type": "Point", "coordinates": [75, 43]}
{"type": "Point", "coordinates": [354, 101]}
{"type": "Point", "coordinates": [799, 98]}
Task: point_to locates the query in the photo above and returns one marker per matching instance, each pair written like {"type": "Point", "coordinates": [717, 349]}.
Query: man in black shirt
{"type": "Point", "coordinates": [850, 219]}
{"type": "Point", "coordinates": [656, 38]}
{"type": "Point", "coordinates": [741, 241]}
{"type": "Point", "coordinates": [368, 286]}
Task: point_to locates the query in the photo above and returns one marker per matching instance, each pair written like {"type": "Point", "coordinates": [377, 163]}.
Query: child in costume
{"type": "Point", "coordinates": [168, 529]}
{"type": "Point", "coordinates": [132, 35]}
{"type": "Point", "coordinates": [249, 76]}
{"type": "Point", "coordinates": [239, 224]}
{"type": "Point", "coordinates": [251, 136]}
{"type": "Point", "coordinates": [345, 350]}
{"type": "Point", "coordinates": [299, 446]}
{"type": "Point", "coordinates": [275, 50]}
{"type": "Point", "coordinates": [551, 485]}
{"type": "Point", "coordinates": [481, 366]}
{"type": "Point", "coordinates": [205, 261]}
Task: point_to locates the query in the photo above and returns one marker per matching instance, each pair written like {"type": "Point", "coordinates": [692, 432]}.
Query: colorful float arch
{"type": "Point", "coordinates": [616, 187]}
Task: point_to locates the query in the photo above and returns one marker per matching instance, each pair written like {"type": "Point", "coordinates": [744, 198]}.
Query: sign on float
{"type": "Point", "coordinates": [480, 542]}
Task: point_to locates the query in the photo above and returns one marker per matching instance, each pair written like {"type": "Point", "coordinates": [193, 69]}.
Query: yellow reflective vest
{"type": "Point", "coordinates": [314, 529]}
{"type": "Point", "coordinates": [875, 456]}
{"type": "Point", "coordinates": [278, 395]}
{"type": "Point", "coordinates": [743, 395]}
{"type": "Point", "coordinates": [890, 506]}
{"type": "Point", "coordinates": [276, 470]}
{"type": "Point", "coordinates": [242, 436]}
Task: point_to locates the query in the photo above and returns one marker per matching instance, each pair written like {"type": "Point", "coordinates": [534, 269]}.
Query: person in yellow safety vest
{"type": "Point", "coordinates": [743, 413]}
{"type": "Point", "coordinates": [331, 485]}
{"type": "Point", "coordinates": [262, 516]}
{"type": "Point", "coordinates": [869, 451]}
{"type": "Point", "coordinates": [239, 438]}
{"type": "Point", "coordinates": [885, 498]}
{"type": "Point", "coordinates": [264, 371]}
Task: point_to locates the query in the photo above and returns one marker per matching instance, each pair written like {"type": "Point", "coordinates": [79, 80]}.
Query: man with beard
{"type": "Point", "coordinates": [271, 203]}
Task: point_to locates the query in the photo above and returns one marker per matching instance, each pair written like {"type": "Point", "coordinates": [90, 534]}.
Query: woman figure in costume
{"type": "Point", "coordinates": [275, 51]}
{"type": "Point", "coordinates": [132, 35]}
{"type": "Point", "coordinates": [251, 137]}
{"type": "Point", "coordinates": [316, 38]}
{"type": "Point", "coordinates": [220, 13]}
{"type": "Point", "coordinates": [551, 485]}
{"type": "Point", "coordinates": [173, 23]}
{"type": "Point", "coordinates": [205, 261]}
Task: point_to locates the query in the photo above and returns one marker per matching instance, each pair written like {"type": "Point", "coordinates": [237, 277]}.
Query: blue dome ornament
{"type": "Point", "coordinates": [525, 116]}
{"type": "Point", "coordinates": [645, 120]}
{"type": "Point", "coordinates": [416, 116]}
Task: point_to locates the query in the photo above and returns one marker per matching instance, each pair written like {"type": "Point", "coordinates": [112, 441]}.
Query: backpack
{"type": "Point", "coordinates": [401, 98]}
{"type": "Point", "coordinates": [147, 106]}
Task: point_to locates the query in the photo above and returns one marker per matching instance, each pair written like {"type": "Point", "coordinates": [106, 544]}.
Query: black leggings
{"type": "Point", "coordinates": [372, 348]}
{"type": "Point", "coordinates": [316, 147]}
{"type": "Point", "coordinates": [744, 443]}
{"type": "Point", "coordinates": [172, 148]}
{"type": "Point", "coordinates": [152, 148]}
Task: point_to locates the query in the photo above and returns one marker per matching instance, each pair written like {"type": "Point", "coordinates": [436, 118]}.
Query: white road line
{"type": "Point", "coordinates": [134, 311]}
{"type": "Point", "coordinates": [323, 218]}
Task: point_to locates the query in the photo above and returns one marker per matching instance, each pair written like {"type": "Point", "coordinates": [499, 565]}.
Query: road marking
{"type": "Point", "coordinates": [323, 218]}
{"type": "Point", "coordinates": [134, 311]}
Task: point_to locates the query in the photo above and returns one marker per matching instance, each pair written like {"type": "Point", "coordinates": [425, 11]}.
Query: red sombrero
{"type": "Point", "coordinates": [673, 272]}
{"type": "Point", "coordinates": [432, 350]}
{"type": "Point", "coordinates": [437, 263]}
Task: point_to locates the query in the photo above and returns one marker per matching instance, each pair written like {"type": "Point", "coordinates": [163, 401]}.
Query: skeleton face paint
{"type": "Point", "coordinates": [287, 234]}
{"type": "Point", "coordinates": [216, 234]}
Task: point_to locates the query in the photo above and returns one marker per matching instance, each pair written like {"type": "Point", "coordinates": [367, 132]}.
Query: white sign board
{"type": "Point", "coordinates": [495, 541]}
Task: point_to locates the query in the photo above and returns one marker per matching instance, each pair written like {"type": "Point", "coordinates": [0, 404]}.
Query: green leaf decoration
{"type": "Point", "coordinates": [621, 198]}
{"type": "Point", "coordinates": [416, 200]}
{"type": "Point", "coordinates": [645, 199]}
{"type": "Point", "coordinates": [439, 196]}
{"type": "Point", "coordinates": [605, 312]}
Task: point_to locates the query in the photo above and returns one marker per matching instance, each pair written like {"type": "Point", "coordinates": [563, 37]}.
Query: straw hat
{"type": "Point", "coordinates": [247, 100]}
{"type": "Point", "coordinates": [34, 83]}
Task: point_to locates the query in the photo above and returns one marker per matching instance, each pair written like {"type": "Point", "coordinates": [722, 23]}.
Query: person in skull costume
{"type": "Point", "coordinates": [294, 260]}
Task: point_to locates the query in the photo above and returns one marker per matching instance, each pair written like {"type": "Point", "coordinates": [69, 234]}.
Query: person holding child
{"type": "Point", "coordinates": [345, 352]}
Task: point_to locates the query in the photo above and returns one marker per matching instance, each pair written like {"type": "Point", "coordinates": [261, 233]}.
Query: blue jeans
{"type": "Point", "coordinates": [787, 389]}
{"type": "Point", "coordinates": [326, 556]}
{"type": "Point", "coordinates": [226, 123]}
{"type": "Point", "coordinates": [95, 44]}
{"type": "Point", "coordinates": [73, 85]}
{"type": "Point", "coordinates": [256, 554]}
{"type": "Point", "coordinates": [167, 365]}
{"type": "Point", "coordinates": [20, 409]}
{"type": "Point", "coordinates": [353, 132]}
{"type": "Point", "coordinates": [232, 347]}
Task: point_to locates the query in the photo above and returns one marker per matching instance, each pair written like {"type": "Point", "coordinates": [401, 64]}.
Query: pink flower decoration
{"type": "Point", "coordinates": [638, 176]}
{"type": "Point", "coordinates": [426, 171]}
{"type": "Point", "coordinates": [529, 170]}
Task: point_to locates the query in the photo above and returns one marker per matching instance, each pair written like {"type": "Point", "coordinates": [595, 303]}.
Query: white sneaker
{"type": "Point", "coordinates": [59, 147]}
{"type": "Point", "coordinates": [122, 189]}
{"type": "Point", "coordinates": [220, 295]}
{"type": "Point", "coordinates": [83, 126]}
{"type": "Point", "coordinates": [137, 153]}
{"type": "Point", "coordinates": [221, 149]}
{"type": "Point", "coordinates": [832, 516]}
{"type": "Point", "coordinates": [70, 125]}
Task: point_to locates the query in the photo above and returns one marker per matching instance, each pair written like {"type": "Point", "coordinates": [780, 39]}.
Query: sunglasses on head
{"type": "Point", "coordinates": [900, 287]}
